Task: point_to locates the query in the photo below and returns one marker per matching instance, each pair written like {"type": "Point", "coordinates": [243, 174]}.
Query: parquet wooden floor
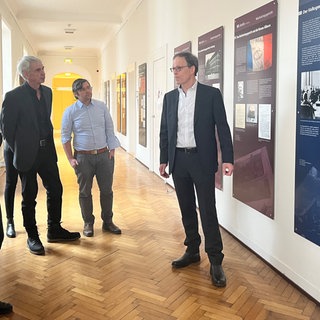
{"type": "Point", "coordinates": [129, 276]}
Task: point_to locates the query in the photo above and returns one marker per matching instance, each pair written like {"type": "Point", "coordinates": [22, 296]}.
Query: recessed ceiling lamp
{"type": "Point", "coordinates": [67, 60]}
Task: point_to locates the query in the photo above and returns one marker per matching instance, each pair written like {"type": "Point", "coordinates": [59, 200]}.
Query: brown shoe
{"type": "Point", "coordinates": [88, 230]}
{"type": "Point", "coordinates": [111, 227]}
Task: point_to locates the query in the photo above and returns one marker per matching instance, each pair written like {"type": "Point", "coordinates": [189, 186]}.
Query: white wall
{"type": "Point", "coordinates": [87, 67]}
{"type": "Point", "coordinates": [158, 23]}
{"type": "Point", "coordinates": [18, 42]}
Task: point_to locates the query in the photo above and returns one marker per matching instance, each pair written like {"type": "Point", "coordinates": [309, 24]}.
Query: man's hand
{"type": "Point", "coordinates": [162, 170]}
{"type": "Point", "coordinates": [227, 169]}
{"type": "Point", "coordinates": [73, 162]}
{"type": "Point", "coordinates": [111, 154]}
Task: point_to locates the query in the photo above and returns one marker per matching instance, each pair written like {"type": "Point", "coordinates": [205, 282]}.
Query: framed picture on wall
{"type": "Point", "coordinates": [142, 104]}
{"type": "Point", "coordinates": [123, 90]}
{"type": "Point", "coordinates": [107, 93]}
{"type": "Point", "coordinates": [122, 103]}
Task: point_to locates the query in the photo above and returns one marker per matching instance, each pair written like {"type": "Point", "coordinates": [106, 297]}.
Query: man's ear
{"type": "Point", "coordinates": [25, 75]}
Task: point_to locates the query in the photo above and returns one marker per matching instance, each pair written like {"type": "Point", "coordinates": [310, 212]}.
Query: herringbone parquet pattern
{"type": "Point", "coordinates": [129, 276]}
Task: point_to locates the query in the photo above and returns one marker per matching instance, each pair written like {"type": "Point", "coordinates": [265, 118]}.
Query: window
{"type": "Point", "coordinates": [6, 59]}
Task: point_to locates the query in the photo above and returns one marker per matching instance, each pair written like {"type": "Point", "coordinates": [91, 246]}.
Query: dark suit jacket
{"type": "Point", "coordinates": [20, 127]}
{"type": "Point", "coordinates": [209, 114]}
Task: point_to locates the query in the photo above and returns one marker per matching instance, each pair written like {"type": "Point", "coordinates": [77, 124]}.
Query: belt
{"type": "Point", "coordinates": [97, 151]}
{"type": "Point", "coordinates": [188, 150]}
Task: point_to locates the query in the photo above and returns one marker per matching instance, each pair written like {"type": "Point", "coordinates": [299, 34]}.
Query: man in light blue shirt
{"type": "Point", "coordinates": [88, 122]}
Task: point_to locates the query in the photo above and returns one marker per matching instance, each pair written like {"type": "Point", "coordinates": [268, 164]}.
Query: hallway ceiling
{"type": "Point", "coordinates": [70, 27]}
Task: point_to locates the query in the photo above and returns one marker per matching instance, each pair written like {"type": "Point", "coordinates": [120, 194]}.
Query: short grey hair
{"type": "Point", "coordinates": [24, 64]}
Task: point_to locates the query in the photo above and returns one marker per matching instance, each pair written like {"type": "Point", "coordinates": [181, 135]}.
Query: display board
{"type": "Point", "coordinates": [142, 105]}
{"type": "Point", "coordinates": [255, 43]}
{"type": "Point", "coordinates": [307, 175]}
{"type": "Point", "coordinates": [210, 56]}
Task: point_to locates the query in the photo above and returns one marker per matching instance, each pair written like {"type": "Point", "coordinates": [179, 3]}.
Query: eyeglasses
{"type": "Point", "coordinates": [178, 69]}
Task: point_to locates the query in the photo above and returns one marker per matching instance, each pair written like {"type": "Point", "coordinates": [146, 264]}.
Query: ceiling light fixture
{"type": "Point", "coordinates": [69, 30]}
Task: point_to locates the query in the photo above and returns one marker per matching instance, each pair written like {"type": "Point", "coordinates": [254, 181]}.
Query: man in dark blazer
{"type": "Point", "coordinates": [190, 115]}
{"type": "Point", "coordinates": [28, 131]}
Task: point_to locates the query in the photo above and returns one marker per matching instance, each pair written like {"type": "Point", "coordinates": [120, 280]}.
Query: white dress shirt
{"type": "Point", "coordinates": [185, 134]}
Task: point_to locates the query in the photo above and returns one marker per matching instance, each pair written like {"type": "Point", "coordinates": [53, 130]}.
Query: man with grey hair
{"type": "Point", "coordinates": [89, 122]}
{"type": "Point", "coordinates": [28, 131]}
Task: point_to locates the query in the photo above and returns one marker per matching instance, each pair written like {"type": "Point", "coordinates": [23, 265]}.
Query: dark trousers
{"type": "Point", "coordinates": [1, 229]}
{"type": "Point", "coordinates": [11, 182]}
{"type": "Point", "coordinates": [46, 166]}
{"type": "Point", "coordinates": [188, 177]}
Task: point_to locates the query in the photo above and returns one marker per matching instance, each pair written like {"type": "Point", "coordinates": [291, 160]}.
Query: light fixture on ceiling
{"type": "Point", "coordinates": [67, 60]}
{"type": "Point", "coordinates": [68, 47]}
{"type": "Point", "coordinates": [69, 30]}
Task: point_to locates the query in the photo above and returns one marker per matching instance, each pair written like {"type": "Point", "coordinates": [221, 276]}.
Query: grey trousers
{"type": "Point", "coordinates": [100, 166]}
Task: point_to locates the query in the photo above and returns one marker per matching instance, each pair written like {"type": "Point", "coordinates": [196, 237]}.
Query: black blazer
{"type": "Point", "coordinates": [209, 114]}
{"type": "Point", "coordinates": [20, 127]}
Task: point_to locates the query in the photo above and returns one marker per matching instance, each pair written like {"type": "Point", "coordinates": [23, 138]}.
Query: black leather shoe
{"type": "Point", "coordinates": [217, 275]}
{"type": "Point", "coordinates": [111, 227]}
{"type": "Point", "coordinates": [88, 230]}
{"type": "Point", "coordinates": [5, 307]}
{"type": "Point", "coordinates": [185, 260]}
{"type": "Point", "coordinates": [59, 234]}
{"type": "Point", "coordinates": [11, 232]}
{"type": "Point", "coordinates": [35, 245]}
